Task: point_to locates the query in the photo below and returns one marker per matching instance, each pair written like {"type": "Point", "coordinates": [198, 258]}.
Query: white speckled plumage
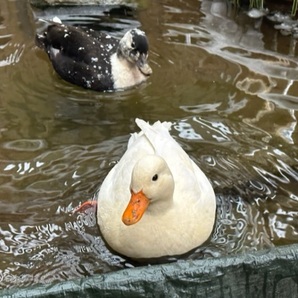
{"type": "Point", "coordinates": [96, 60]}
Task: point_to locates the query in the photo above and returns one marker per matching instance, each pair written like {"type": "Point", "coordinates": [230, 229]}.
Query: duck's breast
{"type": "Point", "coordinates": [125, 74]}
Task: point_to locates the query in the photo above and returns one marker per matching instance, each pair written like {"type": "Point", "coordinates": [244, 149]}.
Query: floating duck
{"type": "Point", "coordinates": [155, 201]}
{"type": "Point", "coordinates": [95, 60]}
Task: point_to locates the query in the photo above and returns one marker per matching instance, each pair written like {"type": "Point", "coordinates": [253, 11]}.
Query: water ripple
{"type": "Point", "coordinates": [32, 247]}
{"type": "Point", "coordinates": [25, 145]}
{"type": "Point", "coordinates": [253, 182]}
{"type": "Point", "coordinates": [258, 71]}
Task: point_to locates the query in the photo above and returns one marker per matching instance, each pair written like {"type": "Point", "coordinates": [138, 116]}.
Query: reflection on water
{"type": "Point", "coordinates": [227, 82]}
{"type": "Point", "coordinates": [35, 254]}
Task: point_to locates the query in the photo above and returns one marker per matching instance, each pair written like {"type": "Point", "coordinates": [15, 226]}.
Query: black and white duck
{"type": "Point", "coordinates": [95, 60]}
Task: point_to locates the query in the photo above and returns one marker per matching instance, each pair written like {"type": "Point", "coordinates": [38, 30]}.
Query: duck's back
{"type": "Point", "coordinates": [80, 57]}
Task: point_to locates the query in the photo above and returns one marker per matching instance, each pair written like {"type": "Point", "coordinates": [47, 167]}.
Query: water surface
{"type": "Point", "coordinates": [227, 82]}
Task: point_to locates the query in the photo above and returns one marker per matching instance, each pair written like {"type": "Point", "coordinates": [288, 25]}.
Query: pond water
{"type": "Point", "coordinates": [226, 81]}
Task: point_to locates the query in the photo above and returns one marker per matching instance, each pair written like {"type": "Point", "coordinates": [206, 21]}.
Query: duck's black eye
{"type": "Point", "coordinates": [155, 177]}
{"type": "Point", "coordinates": [133, 45]}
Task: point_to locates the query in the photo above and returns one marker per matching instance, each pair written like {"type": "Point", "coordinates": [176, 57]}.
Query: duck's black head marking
{"type": "Point", "coordinates": [139, 41]}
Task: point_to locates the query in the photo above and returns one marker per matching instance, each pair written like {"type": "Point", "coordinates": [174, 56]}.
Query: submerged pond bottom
{"type": "Point", "coordinates": [266, 273]}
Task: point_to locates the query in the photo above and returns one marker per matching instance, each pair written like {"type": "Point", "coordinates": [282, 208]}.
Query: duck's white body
{"type": "Point", "coordinates": [171, 226]}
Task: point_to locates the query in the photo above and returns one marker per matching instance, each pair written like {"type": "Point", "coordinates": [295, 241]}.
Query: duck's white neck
{"type": "Point", "coordinates": [159, 207]}
{"type": "Point", "coordinates": [125, 73]}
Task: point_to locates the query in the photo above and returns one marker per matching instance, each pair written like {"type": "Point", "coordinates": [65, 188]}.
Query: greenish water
{"type": "Point", "coordinates": [227, 82]}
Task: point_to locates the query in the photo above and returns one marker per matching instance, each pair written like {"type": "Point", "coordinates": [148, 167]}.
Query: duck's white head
{"type": "Point", "coordinates": [152, 183]}
{"type": "Point", "coordinates": [134, 48]}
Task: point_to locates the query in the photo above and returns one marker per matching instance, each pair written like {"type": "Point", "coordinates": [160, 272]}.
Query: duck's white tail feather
{"type": "Point", "coordinates": [57, 20]}
{"type": "Point", "coordinates": [157, 134]}
{"type": "Point", "coordinates": [145, 126]}
{"type": "Point", "coordinates": [157, 130]}
{"type": "Point", "coordinates": [54, 20]}
{"type": "Point", "coordinates": [163, 143]}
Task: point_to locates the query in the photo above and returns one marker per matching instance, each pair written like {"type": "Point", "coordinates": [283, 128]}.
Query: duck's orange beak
{"type": "Point", "coordinates": [135, 209]}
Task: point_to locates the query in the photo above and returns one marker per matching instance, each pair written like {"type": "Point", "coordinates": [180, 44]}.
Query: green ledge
{"type": "Point", "coordinates": [266, 273]}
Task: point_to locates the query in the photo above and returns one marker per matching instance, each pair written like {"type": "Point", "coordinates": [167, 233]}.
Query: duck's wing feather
{"type": "Point", "coordinates": [79, 57]}
{"type": "Point", "coordinates": [163, 143]}
{"type": "Point", "coordinates": [80, 73]}
{"type": "Point", "coordinates": [77, 44]}
{"type": "Point", "coordinates": [182, 166]}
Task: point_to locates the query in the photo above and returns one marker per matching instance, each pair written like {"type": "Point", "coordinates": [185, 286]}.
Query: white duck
{"type": "Point", "coordinates": [155, 201]}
